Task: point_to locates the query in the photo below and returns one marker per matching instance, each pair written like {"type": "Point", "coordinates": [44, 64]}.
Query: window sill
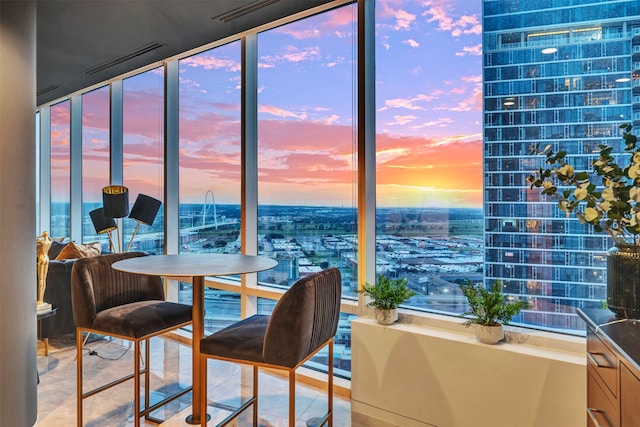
{"type": "Point", "coordinates": [536, 377]}
{"type": "Point", "coordinates": [551, 341]}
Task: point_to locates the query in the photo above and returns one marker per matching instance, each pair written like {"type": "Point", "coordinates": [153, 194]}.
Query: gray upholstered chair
{"type": "Point", "coordinates": [127, 306]}
{"type": "Point", "coordinates": [304, 321]}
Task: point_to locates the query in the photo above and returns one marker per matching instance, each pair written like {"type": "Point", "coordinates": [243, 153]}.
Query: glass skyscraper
{"type": "Point", "coordinates": [564, 73]}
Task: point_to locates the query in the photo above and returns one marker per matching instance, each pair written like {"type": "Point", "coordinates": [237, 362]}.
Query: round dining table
{"type": "Point", "coordinates": [197, 266]}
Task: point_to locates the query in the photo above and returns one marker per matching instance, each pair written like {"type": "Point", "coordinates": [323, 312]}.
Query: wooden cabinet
{"type": "Point", "coordinates": [601, 411]}
{"type": "Point", "coordinates": [602, 383]}
{"type": "Point", "coordinates": [613, 374]}
{"type": "Point", "coordinates": [629, 396]}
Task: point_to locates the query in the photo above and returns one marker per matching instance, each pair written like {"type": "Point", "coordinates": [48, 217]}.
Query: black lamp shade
{"type": "Point", "coordinates": [145, 209]}
{"type": "Point", "coordinates": [115, 201]}
{"type": "Point", "coordinates": [101, 223]}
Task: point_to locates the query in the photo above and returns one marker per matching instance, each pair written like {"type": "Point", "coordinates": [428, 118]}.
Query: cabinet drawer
{"type": "Point", "coordinates": [601, 411]}
{"type": "Point", "coordinates": [603, 361]}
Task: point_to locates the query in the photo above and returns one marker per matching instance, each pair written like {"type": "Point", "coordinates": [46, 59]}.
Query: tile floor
{"type": "Point", "coordinates": [171, 368]}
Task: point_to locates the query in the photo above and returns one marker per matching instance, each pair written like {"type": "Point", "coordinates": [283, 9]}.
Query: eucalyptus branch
{"type": "Point", "coordinates": [612, 205]}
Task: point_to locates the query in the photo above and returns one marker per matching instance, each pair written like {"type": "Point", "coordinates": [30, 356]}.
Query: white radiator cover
{"type": "Point", "coordinates": [425, 375]}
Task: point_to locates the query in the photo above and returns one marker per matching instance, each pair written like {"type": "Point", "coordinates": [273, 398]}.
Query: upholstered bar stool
{"type": "Point", "coordinates": [304, 321]}
{"type": "Point", "coordinates": [126, 306]}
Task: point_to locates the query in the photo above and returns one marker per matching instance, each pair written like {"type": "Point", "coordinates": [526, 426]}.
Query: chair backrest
{"type": "Point", "coordinates": [95, 286]}
{"type": "Point", "coordinates": [304, 319]}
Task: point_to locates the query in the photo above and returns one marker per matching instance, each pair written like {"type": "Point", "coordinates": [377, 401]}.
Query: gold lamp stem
{"type": "Point", "coordinates": [118, 224]}
{"type": "Point", "coordinates": [111, 240]}
{"type": "Point", "coordinates": [133, 235]}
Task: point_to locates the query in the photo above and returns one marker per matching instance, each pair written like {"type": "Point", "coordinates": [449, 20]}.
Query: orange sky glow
{"type": "Point", "coordinates": [429, 132]}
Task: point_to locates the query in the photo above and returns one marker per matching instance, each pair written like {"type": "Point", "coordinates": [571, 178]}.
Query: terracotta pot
{"type": "Point", "coordinates": [489, 334]}
{"type": "Point", "coordinates": [386, 317]}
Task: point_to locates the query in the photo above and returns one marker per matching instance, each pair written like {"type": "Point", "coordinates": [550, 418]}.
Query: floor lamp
{"type": "Point", "coordinates": [115, 200]}
{"type": "Point", "coordinates": [102, 224]}
{"type": "Point", "coordinates": [144, 211]}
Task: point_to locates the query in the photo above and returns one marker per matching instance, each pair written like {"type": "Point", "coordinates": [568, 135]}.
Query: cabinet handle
{"type": "Point", "coordinates": [592, 414]}
{"type": "Point", "coordinates": [592, 359]}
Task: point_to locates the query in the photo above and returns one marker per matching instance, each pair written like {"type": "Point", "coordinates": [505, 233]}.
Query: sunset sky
{"type": "Point", "coordinates": [428, 102]}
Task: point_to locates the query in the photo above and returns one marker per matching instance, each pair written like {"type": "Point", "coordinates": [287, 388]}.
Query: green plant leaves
{"type": "Point", "coordinates": [388, 293]}
{"type": "Point", "coordinates": [489, 307]}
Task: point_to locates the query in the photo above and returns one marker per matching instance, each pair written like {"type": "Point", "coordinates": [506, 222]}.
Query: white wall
{"type": "Point", "coordinates": [438, 374]}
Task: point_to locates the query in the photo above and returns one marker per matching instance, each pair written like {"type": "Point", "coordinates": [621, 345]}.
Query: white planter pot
{"type": "Point", "coordinates": [489, 334]}
{"type": "Point", "coordinates": [386, 317]}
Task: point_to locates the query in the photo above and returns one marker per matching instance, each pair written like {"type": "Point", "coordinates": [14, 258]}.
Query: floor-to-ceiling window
{"type": "Point", "coordinates": [429, 199]}
{"type": "Point", "coordinates": [60, 169]}
{"type": "Point", "coordinates": [307, 217]}
{"type": "Point", "coordinates": [143, 153]}
{"type": "Point", "coordinates": [210, 166]}
{"type": "Point", "coordinates": [210, 135]}
{"type": "Point", "coordinates": [95, 158]}
{"type": "Point", "coordinates": [306, 143]}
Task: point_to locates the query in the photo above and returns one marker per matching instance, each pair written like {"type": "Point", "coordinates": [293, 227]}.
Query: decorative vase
{"type": "Point", "coordinates": [623, 282]}
{"type": "Point", "coordinates": [386, 317]}
{"type": "Point", "coordinates": [489, 334]}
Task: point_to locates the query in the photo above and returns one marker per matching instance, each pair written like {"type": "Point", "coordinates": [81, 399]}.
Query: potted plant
{"type": "Point", "coordinates": [605, 199]}
{"type": "Point", "coordinates": [489, 310]}
{"type": "Point", "coordinates": [386, 296]}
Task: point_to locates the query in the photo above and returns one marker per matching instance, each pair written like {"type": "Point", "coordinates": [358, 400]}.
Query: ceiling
{"type": "Point", "coordinates": [82, 43]}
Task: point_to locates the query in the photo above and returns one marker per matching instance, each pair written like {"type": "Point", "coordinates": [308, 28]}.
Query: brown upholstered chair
{"type": "Point", "coordinates": [304, 321]}
{"type": "Point", "coordinates": [127, 306]}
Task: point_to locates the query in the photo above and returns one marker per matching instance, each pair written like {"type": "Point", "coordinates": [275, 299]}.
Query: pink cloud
{"type": "Point", "coordinates": [291, 54]}
{"type": "Point", "coordinates": [471, 50]}
{"type": "Point", "coordinates": [412, 103]}
{"type": "Point", "coordinates": [211, 62]}
{"type": "Point", "coordinates": [472, 79]}
{"type": "Point", "coordinates": [341, 17]}
{"type": "Point", "coordinates": [280, 112]}
{"type": "Point", "coordinates": [411, 42]}
{"type": "Point", "coordinates": [474, 102]}
{"type": "Point", "coordinates": [296, 55]}
{"type": "Point", "coordinates": [439, 12]}
{"type": "Point", "coordinates": [61, 113]}
{"type": "Point", "coordinates": [143, 115]}
{"type": "Point", "coordinates": [320, 25]}
{"type": "Point", "coordinates": [302, 33]}
{"type": "Point", "coordinates": [404, 19]}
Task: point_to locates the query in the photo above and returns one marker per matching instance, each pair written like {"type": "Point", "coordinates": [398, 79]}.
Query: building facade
{"type": "Point", "coordinates": [564, 73]}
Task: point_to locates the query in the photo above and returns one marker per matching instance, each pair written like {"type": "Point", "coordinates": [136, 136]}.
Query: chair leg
{"type": "Point", "coordinates": [136, 383]}
{"type": "Point", "coordinates": [330, 384]}
{"type": "Point", "coordinates": [292, 398]}
{"type": "Point", "coordinates": [146, 375]}
{"type": "Point", "coordinates": [255, 396]}
{"type": "Point", "coordinates": [79, 391]}
{"type": "Point", "coordinates": [203, 392]}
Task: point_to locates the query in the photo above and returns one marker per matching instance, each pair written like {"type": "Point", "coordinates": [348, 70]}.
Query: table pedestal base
{"type": "Point", "coordinates": [190, 420]}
